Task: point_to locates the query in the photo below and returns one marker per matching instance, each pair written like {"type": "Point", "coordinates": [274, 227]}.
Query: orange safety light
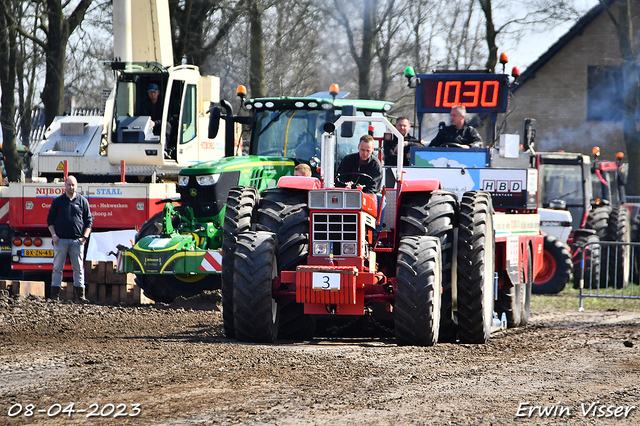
{"type": "Point", "coordinates": [515, 72]}
{"type": "Point", "coordinates": [334, 90]}
{"type": "Point", "coordinates": [242, 91]}
{"type": "Point", "coordinates": [503, 58]}
{"type": "Point", "coordinates": [620, 155]}
{"type": "Point", "coordinates": [596, 151]}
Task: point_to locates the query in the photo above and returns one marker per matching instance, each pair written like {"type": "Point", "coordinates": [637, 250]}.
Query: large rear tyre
{"type": "Point", "coordinates": [285, 213]}
{"type": "Point", "coordinates": [255, 311]}
{"type": "Point", "coordinates": [237, 219]}
{"type": "Point", "coordinates": [556, 267]}
{"type": "Point", "coordinates": [476, 264]}
{"type": "Point", "coordinates": [587, 243]}
{"type": "Point", "coordinates": [417, 293]}
{"type": "Point", "coordinates": [618, 258]}
{"type": "Point", "coordinates": [165, 288]}
{"type": "Point", "coordinates": [598, 220]}
{"type": "Point", "coordinates": [436, 216]}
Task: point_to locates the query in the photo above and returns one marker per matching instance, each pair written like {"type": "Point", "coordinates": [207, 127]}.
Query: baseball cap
{"type": "Point", "coordinates": [153, 87]}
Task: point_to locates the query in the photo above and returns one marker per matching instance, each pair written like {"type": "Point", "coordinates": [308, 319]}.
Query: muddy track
{"type": "Point", "coordinates": [174, 361]}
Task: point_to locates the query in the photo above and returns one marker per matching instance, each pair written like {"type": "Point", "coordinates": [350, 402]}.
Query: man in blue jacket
{"type": "Point", "coordinates": [69, 221]}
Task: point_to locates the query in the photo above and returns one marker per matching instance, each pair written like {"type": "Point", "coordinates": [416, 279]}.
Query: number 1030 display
{"type": "Point", "coordinates": [476, 92]}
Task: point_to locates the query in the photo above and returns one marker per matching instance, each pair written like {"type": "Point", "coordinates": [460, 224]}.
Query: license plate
{"type": "Point", "coordinates": [37, 253]}
{"type": "Point", "coordinates": [326, 281]}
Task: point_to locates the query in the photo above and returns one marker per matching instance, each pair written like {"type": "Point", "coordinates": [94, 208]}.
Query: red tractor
{"type": "Point", "coordinates": [307, 249]}
{"type": "Point", "coordinates": [592, 196]}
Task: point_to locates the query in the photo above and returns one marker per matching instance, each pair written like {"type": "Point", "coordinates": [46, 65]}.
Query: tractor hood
{"type": "Point", "coordinates": [231, 164]}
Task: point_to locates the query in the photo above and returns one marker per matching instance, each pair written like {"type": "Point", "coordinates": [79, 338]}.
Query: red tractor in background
{"type": "Point", "coordinates": [582, 202]}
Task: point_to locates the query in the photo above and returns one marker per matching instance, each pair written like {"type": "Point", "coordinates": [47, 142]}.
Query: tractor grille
{"type": "Point", "coordinates": [335, 199]}
{"type": "Point", "coordinates": [337, 229]}
{"type": "Point", "coordinates": [207, 201]}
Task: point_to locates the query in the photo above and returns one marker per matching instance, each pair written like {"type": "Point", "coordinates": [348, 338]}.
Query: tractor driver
{"type": "Point", "coordinates": [363, 162]}
{"type": "Point", "coordinates": [459, 132]}
{"type": "Point", "coordinates": [152, 107]}
{"type": "Point", "coordinates": [353, 166]}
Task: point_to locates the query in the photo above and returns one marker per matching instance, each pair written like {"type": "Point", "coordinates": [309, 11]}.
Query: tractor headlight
{"type": "Point", "coordinates": [320, 248]}
{"type": "Point", "coordinates": [207, 180]}
{"type": "Point", "coordinates": [183, 180]}
{"type": "Point", "coordinates": [348, 248]}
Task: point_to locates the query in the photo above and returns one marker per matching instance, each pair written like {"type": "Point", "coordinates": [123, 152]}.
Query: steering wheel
{"type": "Point", "coordinates": [452, 145]}
{"type": "Point", "coordinates": [368, 179]}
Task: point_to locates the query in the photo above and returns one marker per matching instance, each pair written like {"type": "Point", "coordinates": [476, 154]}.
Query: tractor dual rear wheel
{"type": "Point", "coordinates": [437, 217]}
{"type": "Point", "coordinates": [476, 264]}
{"type": "Point", "coordinates": [418, 291]}
{"type": "Point", "coordinates": [241, 202]}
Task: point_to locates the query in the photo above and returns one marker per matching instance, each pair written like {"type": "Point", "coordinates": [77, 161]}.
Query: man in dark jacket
{"type": "Point", "coordinates": [391, 147]}
{"type": "Point", "coordinates": [458, 132]}
{"type": "Point", "coordinates": [152, 107]}
{"type": "Point", "coordinates": [363, 161]}
{"type": "Point", "coordinates": [69, 221]}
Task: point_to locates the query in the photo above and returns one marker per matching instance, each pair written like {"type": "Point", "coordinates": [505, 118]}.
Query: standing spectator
{"type": "Point", "coordinates": [69, 222]}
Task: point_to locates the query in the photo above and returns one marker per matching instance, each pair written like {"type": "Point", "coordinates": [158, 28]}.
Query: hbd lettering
{"type": "Point", "coordinates": [596, 409]}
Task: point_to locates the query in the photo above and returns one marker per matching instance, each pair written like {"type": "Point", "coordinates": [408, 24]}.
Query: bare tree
{"type": "Point", "coordinates": [371, 17]}
{"type": "Point", "coordinates": [8, 58]}
{"type": "Point", "coordinates": [539, 14]}
{"type": "Point", "coordinates": [198, 26]}
{"type": "Point", "coordinates": [56, 27]}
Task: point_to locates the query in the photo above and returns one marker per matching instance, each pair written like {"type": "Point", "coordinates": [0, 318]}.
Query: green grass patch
{"type": "Point", "coordinates": [568, 300]}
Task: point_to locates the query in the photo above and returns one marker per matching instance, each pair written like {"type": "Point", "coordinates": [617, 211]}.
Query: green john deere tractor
{"type": "Point", "coordinates": [189, 246]}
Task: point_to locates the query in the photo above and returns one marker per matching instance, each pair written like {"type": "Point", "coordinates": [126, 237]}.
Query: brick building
{"type": "Point", "coordinates": [573, 90]}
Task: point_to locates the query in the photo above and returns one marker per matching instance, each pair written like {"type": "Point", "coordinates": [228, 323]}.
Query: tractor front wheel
{"type": "Point", "coordinates": [418, 291]}
{"type": "Point", "coordinates": [255, 311]}
{"type": "Point", "coordinates": [237, 219]}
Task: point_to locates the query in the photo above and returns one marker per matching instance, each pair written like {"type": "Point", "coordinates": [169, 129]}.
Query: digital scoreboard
{"type": "Point", "coordinates": [478, 93]}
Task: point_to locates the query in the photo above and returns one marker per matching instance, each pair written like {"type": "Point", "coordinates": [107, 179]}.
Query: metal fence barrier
{"type": "Point", "coordinates": [610, 270]}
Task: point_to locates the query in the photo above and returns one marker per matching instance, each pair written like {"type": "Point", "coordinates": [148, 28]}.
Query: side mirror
{"type": "Point", "coordinates": [329, 127]}
{"type": "Point", "coordinates": [348, 129]}
{"type": "Point", "coordinates": [215, 112]}
{"type": "Point", "coordinates": [529, 133]}
{"type": "Point", "coordinates": [557, 204]}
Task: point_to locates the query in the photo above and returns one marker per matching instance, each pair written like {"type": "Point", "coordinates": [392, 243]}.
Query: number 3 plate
{"type": "Point", "coordinates": [326, 281]}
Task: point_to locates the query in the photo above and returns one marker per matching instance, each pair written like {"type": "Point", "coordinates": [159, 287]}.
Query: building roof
{"type": "Point", "coordinates": [576, 30]}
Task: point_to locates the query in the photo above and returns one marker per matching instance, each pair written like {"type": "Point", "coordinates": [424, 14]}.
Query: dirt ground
{"type": "Point", "coordinates": [172, 365]}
